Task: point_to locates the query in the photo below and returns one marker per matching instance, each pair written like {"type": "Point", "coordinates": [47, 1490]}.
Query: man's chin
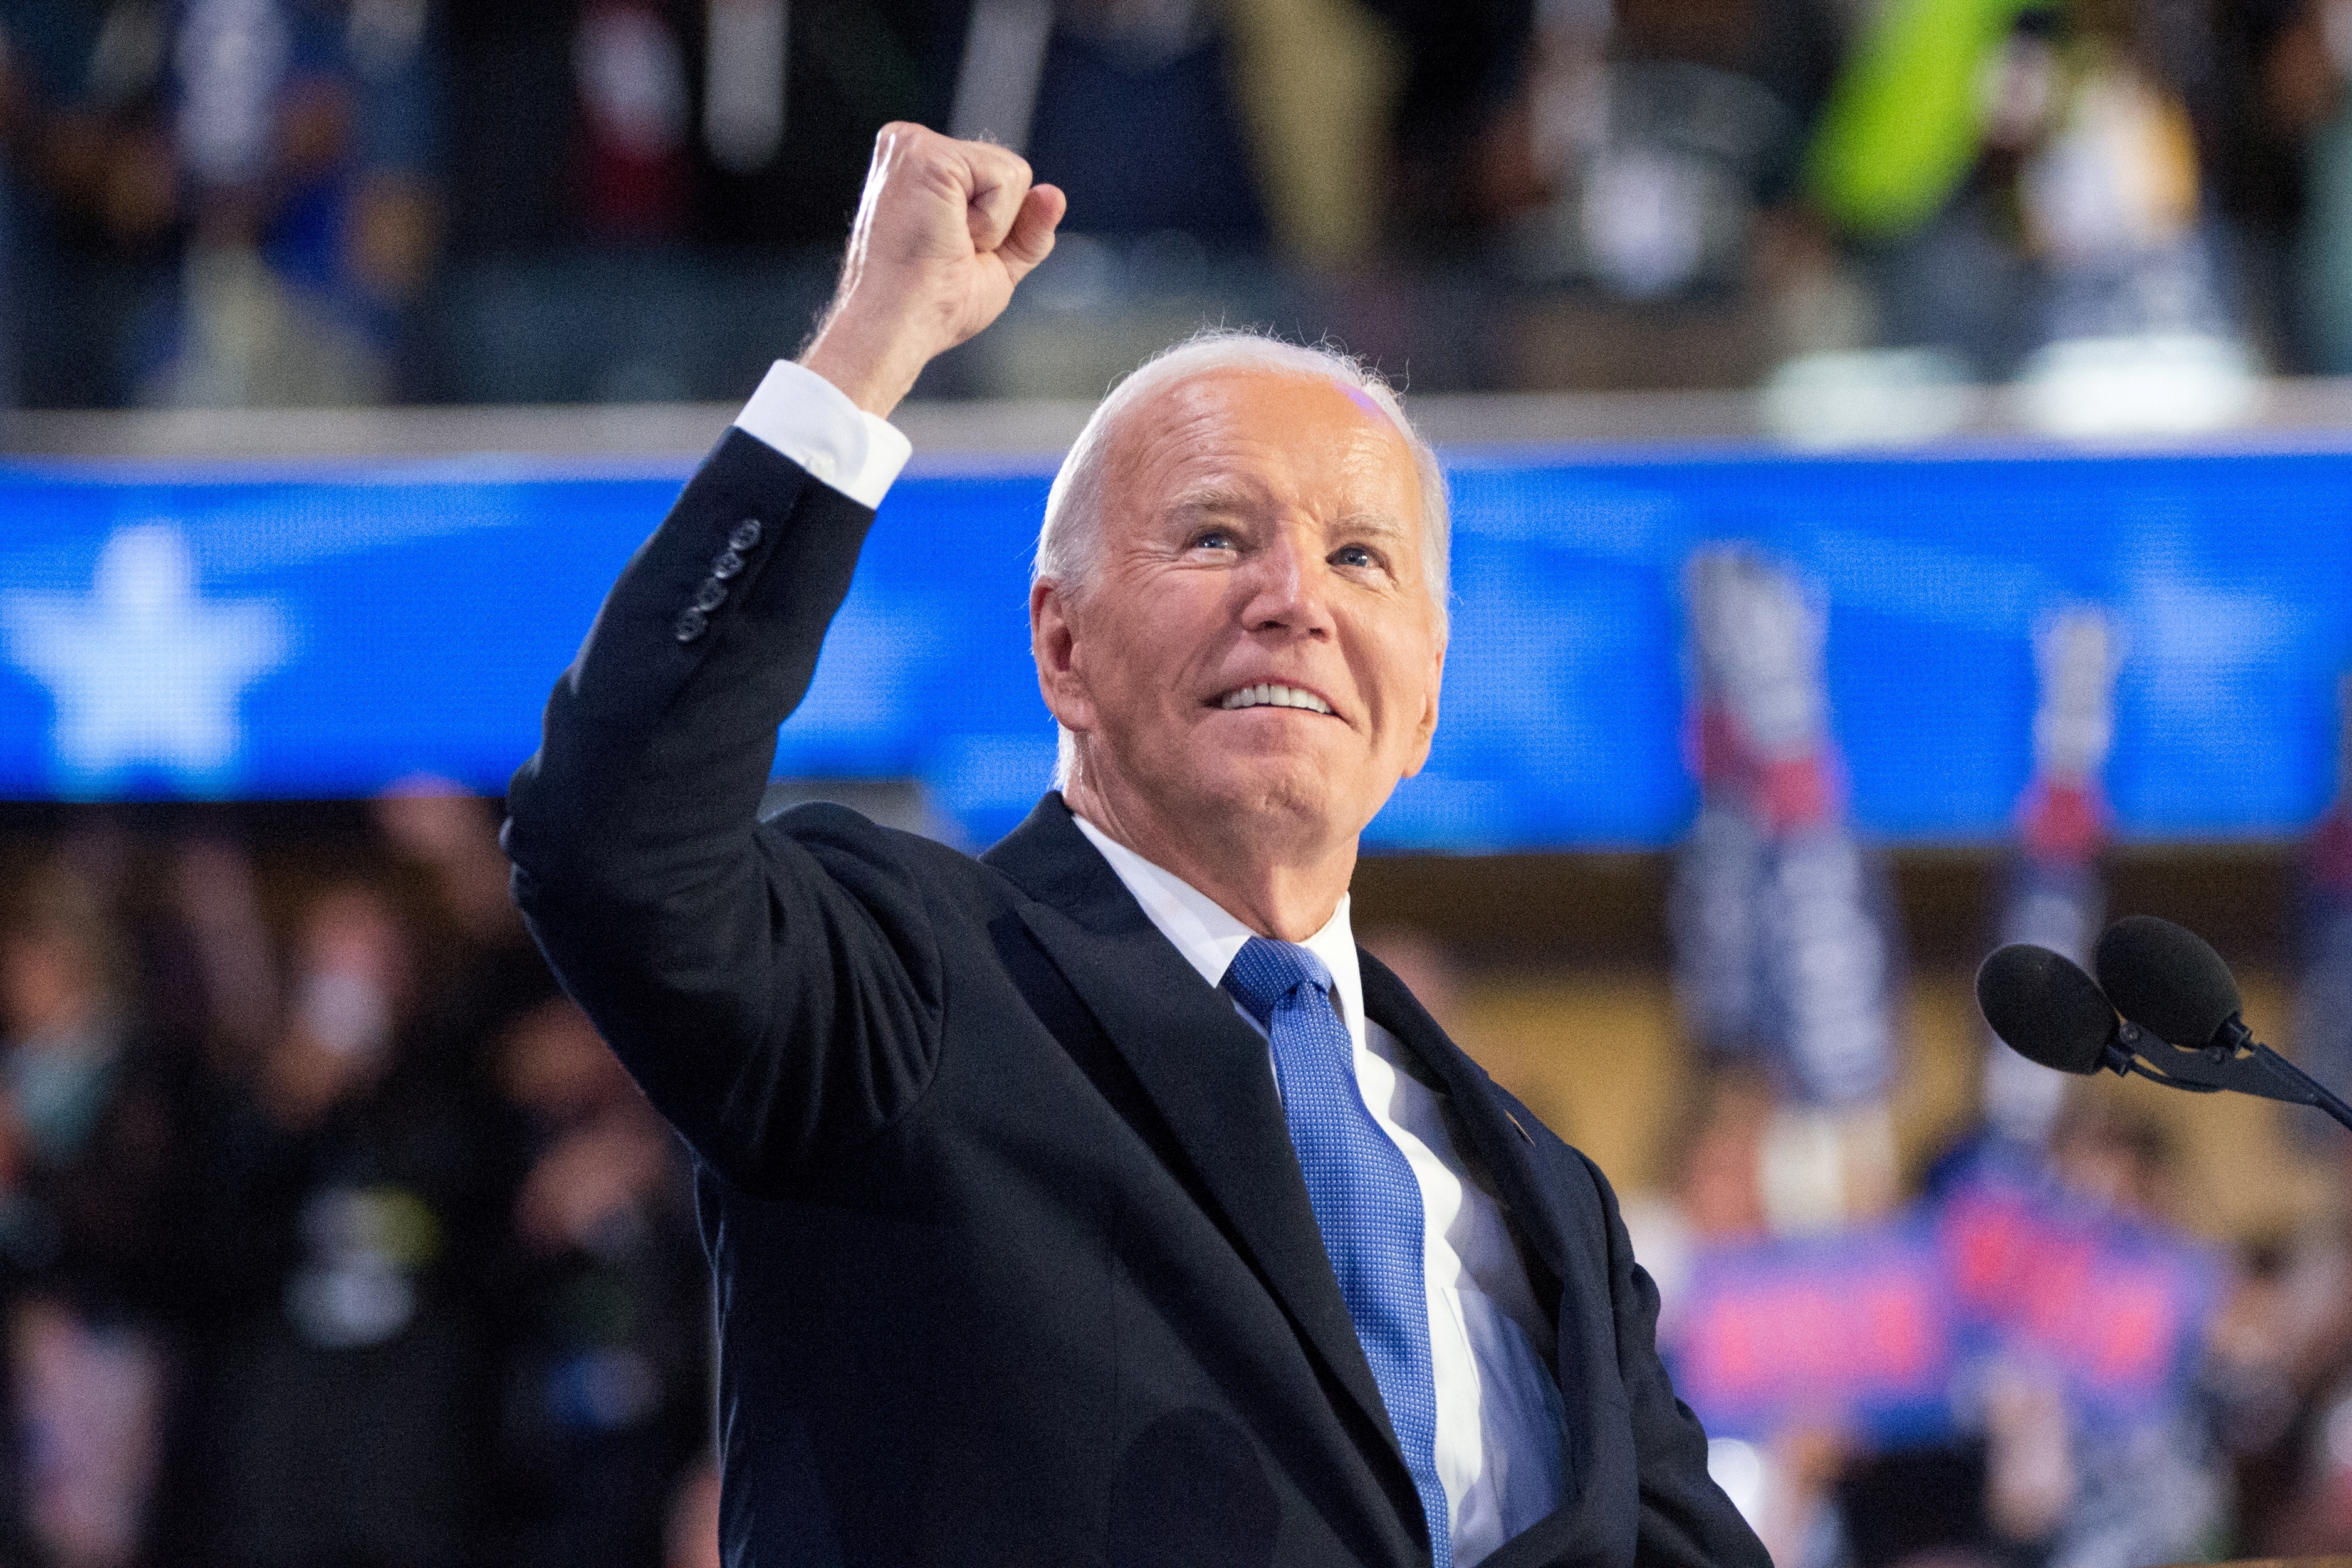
{"type": "Point", "coordinates": [1288, 794]}
{"type": "Point", "coordinates": [1295, 793]}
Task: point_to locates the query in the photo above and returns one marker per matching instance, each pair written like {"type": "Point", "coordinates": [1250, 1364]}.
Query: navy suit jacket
{"type": "Point", "coordinates": [1013, 1257]}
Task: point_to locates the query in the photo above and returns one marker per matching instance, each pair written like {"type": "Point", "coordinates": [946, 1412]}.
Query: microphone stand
{"type": "Point", "coordinates": [2233, 1060]}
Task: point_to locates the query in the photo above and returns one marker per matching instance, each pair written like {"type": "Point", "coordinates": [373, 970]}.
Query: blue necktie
{"type": "Point", "coordinates": [1366, 1201]}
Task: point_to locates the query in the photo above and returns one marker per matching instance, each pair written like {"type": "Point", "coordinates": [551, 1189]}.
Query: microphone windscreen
{"type": "Point", "coordinates": [2166, 979]}
{"type": "Point", "coordinates": [2045, 1008]}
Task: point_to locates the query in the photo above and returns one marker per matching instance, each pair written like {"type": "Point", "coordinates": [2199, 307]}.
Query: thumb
{"type": "Point", "coordinates": [1032, 237]}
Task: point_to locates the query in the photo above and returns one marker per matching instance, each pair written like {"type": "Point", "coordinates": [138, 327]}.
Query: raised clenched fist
{"type": "Point", "coordinates": [944, 231]}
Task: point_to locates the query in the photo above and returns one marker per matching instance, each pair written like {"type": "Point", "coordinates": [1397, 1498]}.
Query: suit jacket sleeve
{"type": "Point", "coordinates": [774, 988]}
{"type": "Point", "coordinates": [1687, 1521]}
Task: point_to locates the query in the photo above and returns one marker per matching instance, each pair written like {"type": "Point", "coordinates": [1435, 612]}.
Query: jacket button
{"type": "Point", "coordinates": [746, 534]}
{"type": "Point", "coordinates": [710, 595]}
{"type": "Point", "coordinates": [691, 626]}
{"type": "Point", "coordinates": [727, 566]}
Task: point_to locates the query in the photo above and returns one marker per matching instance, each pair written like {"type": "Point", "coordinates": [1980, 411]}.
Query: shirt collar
{"type": "Point", "coordinates": [1209, 938]}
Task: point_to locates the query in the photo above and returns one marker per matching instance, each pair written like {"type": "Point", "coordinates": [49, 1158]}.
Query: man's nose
{"type": "Point", "coordinates": [1286, 579]}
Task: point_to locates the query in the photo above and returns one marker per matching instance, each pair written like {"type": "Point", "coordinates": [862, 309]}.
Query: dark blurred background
{"type": "Point", "coordinates": [351, 201]}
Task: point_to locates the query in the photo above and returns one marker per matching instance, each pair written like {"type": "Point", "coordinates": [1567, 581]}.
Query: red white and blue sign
{"type": "Point", "coordinates": [1882, 1334]}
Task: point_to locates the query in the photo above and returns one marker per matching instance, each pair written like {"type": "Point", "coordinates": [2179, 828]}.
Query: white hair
{"type": "Point", "coordinates": [1067, 538]}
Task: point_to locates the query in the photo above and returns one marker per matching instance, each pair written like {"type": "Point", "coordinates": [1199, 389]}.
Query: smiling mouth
{"type": "Point", "coordinates": [1268, 694]}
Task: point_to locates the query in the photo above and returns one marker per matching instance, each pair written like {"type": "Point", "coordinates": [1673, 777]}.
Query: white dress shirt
{"type": "Point", "coordinates": [813, 422]}
{"type": "Point", "coordinates": [1499, 1447]}
{"type": "Point", "coordinates": [1500, 1453]}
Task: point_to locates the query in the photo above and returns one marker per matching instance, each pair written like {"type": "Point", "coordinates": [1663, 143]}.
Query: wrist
{"type": "Point", "coordinates": [873, 369]}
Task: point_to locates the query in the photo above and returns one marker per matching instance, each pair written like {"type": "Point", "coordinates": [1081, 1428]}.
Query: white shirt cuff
{"type": "Point", "coordinates": [813, 422]}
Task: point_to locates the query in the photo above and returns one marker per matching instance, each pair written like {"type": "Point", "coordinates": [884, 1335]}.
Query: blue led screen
{"type": "Point", "coordinates": [217, 630]}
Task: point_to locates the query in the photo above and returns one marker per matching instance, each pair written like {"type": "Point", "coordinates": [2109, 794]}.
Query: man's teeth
{"type": "Point", "coordinates": [1266, 695]}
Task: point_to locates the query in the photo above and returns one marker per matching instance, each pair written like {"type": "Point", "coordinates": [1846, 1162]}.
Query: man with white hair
{"type": "Point", "coordinates": [1095, 1201]}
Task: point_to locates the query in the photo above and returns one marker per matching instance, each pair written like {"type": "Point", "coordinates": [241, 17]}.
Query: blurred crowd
{"type": "Point", "coordinates": [329, 1232]}
{"type": "Point", "coordinates": [2239, 1442]}
{"type": "Point", "coordinates": [2019, 1356]}
{"type": "Point", "coordinates": [272, 202]}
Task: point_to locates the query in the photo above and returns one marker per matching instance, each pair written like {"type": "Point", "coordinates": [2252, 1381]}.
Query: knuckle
{"type": "Point", "coordinates": [908, 143]}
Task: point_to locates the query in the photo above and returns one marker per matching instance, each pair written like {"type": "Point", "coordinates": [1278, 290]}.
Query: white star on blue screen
{"type": "Point", "coordinates": [145, 672]}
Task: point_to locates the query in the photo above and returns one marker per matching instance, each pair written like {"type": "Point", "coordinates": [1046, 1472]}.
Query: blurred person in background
{"type": "Point", "coordinates": [1421, 962]}
{"type": "Point", "coordinates": [2121, 1161]}
{"type": "Point", "coordinates": [2107, 1492]}
{"type": "Point", "coordinates": [2055, 891]}
{"type": "Point", "coordinates": [2301, 117]}
{"type": "Point", "coordinates": [1474, 118]}
{"type": "Point", "coordinates": [2284, 1355]}
{"type": "Point", "coordinates": [487, 970]}
{"type": "Point", "coordinates": [221, 201]}
{"type": "Point", "coordinates": [1295, 161]}
{"type": "Point", "coordinates": [699, 158]}
{"type": "Point", "coordinates": [2062, 1472]}
{"type": "Point", "coordinates": [1713, 1197]}
{"type": "Point", "coordinates": [2067, 1480]}
{"type": "Point", "coordinates": [94, 1182]}
{"type": "Point", "coordinates": [227, 201]}
{"type": "Point", "coordinates": [2029, 175]}
{"type": "Point", "coordinates": [92, 214]}
{"type": "Point", "coordinates": [221, 962]}
{"type": "Point", "coordinates": [1646, 136]}
{"type": "Point", "coordinates": [1787, 953]}
{"type": "Point", "coordinates": [607, 1389]}
{"type": "Point", "coordinates": [2271, 86]}
{"type": "Point", "coordinates": [573, 125]}
{"type": "Point", "coordinates": [1713, 1156]}
{"type": "Point", "coordinates": [645, 123]}
{"type": "Point", "coordinates": [305, 137]}
{"type": "Point", "coordinates": [1308, 132]}
{"type": "Point", "coordinates": [352, 1202]}
{"type": "Point", "coordinates": [1131, 105]}
{"type": "Point", "coordinates": [785, 102]}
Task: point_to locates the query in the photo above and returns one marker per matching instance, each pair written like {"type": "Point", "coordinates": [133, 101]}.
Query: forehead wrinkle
{"type": "Point", "coordinates": [1169, 411]}
{"type": "Point", "coordinates": [1164, 431]}
{"type": "Point", "coordinates": [1379, 524]}
{"type": "Point", "coordinates": [1217, 498]}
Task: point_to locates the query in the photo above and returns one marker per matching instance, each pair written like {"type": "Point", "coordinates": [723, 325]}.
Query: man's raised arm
{"type": "Point", "coordinates": [764, 1001]}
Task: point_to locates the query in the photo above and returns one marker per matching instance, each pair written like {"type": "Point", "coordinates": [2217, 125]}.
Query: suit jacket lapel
{"type": "Point", "coordinates": [1206, 1072]}
{"type": "Point", "coordinates": [1500, 1143]}
{"type": "Point", "coordinates": [1508, 1152]}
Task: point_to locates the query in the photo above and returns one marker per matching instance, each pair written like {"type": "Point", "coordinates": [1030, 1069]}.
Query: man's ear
{"type": "Point", "coordinates": [1053, 643]}
{"type": "Point", "coordinates": [1427, 730]}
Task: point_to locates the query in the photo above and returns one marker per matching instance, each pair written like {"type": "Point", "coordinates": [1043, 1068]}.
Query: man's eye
{"type": "Point", "coordinates": [1353, 555]}
{"type": "Point", "coordinates": [1212, 539]}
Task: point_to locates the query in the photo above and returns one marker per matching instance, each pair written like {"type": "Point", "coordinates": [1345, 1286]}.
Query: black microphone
{"type": "Point", "coordinates": [2172, 984]}
{"type": "Point", "coordinates": [2047, 1010]}
{"type": "Point", "coordinates": [2167, 978]}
